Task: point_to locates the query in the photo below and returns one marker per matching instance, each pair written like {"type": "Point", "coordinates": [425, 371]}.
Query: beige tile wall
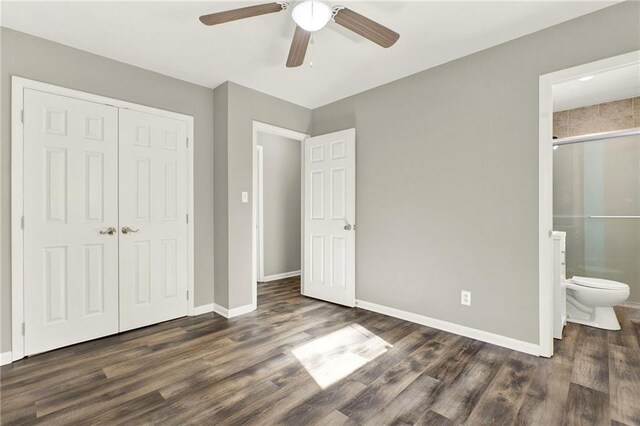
{"type": "Point", "coordinates": [616, 115]}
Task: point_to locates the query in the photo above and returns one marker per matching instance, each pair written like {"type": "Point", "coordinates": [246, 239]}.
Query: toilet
{"type": "Point", "coordinates": [590, 301]}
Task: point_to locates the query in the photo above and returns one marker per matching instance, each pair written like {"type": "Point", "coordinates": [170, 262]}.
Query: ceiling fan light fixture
{"type": "Point", "coordinates": [312, 15]}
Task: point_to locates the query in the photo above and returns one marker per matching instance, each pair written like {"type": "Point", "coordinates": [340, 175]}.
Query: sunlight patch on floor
{"type": "Point", "coordinates": [333, 357]}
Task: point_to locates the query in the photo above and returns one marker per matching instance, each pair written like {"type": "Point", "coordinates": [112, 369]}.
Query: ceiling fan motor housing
{"type": "Point", "coordinates": [312, 15]}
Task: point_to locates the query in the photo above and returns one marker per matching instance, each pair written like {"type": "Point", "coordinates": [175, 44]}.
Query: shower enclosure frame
{"type": "Point", "coordinates": [545, 184]}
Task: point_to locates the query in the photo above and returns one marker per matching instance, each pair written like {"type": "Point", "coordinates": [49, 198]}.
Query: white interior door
{"type": "Point", "coordinates": [153, 205]}
{"type": "Point", "coordinates": [329, 217]}
{"type": "Point", "coordinates": [70, 199]}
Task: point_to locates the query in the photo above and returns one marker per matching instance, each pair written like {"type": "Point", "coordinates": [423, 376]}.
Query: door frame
{"type": "Point", "coordinates": [258, 127]}
{"type": "Point", "coordinates": [18, 85]}
{"type": "Point", "coordinates": [260, 212]}
{"type": "Point", "coordinates": [545, 184]}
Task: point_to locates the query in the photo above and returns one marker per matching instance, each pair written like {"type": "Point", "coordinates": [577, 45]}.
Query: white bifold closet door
{"type": "Point", "coordinates": [329, 217]}
{"type": "Point", "coordinates": [70, 197]}
{"type": "Point", "coordinates": [153, 219]}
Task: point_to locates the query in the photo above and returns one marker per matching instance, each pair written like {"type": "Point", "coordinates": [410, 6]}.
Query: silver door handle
{"type": "Point", "coordinates": [109, 231]}
{"type": "Point", "coordinates": [126, 230]}
{"type": "Point", "coordinates": [347, 227]}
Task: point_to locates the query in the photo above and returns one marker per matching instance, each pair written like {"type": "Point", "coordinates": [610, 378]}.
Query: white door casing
{"type": "Point", "coordinates": [260, 212]}
{"type": "Point", "coordinates": [153, 204]}
{"type": "Point", "coordinates": [329, 217]}
{"type": "Point", "coordinates": [70, 196]}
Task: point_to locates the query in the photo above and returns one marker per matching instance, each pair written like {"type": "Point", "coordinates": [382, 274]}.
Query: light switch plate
{"type": "Point", "coordinates": [245, 197]}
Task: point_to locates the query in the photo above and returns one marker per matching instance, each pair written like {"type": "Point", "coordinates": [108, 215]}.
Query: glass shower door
{"type": "Point", "coordinates": [597, 203]}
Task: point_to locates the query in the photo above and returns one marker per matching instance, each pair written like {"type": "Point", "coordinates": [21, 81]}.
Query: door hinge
{"type": "Point", "coordinates": [187, 142]}
{"type": "Point", "coordinates": [23, 328]}
{"type": "Point", "coordinates": [22, 222]}
{"type": "Point", "coordinates": [187, 294]}
{"type": "Point", "coordinates": [22, 116]}
{"type": "Point", "coordinates": [187, 217]}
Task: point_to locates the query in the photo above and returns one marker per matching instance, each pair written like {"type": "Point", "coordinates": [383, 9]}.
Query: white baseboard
{"type": "Point", "coordinates": [233, 312]}
{"type": "Point", "coordinates": [220, 310]}
{"type": "Point", "coordinates": [203, 309]}
{"type": "Point", "coordinates": [473, 333]}
{"type": "Point", "coordinates": [241, 310]}
{"type": "Point", "coordinates": [5, 358]}
{"type": "Point", "coordinates": [281, 276]}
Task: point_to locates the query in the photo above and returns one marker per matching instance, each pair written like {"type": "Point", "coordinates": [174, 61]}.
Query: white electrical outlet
{"type": "Point", "coordinates": [245, 197]}
{"type": "Point", "coordinates": [465, 297]}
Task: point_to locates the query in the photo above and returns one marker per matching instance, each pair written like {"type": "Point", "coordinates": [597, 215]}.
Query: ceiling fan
{"type": "Point", "coordinates": [310, 16]}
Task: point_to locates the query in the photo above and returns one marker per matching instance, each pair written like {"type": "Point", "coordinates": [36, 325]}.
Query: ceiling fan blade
{"type": "Point", "coordinates": [367, 28]}
{"type": "Point", "coordinates": [243, 12]}
{"type": "Point", "coordinates": [298, 48]}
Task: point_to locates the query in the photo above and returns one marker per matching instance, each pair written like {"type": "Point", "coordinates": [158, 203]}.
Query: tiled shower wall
{"type": "Point", "coordinates": [616, 115]}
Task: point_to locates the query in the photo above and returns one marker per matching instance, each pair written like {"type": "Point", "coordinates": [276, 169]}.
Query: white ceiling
{"type": "Point", "coordinates": [167, 37]}
{"type": "Point", "coordinates": [607, 86]}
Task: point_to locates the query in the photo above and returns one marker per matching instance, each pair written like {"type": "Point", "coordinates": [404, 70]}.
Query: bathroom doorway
{"type": "Point", "coordinates": [589, 159]}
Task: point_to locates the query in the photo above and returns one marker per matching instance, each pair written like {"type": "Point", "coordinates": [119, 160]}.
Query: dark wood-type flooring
{"type": "Point", "coordinates": [265, 368]}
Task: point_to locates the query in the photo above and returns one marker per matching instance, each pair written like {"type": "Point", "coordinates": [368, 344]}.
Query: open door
{"type": "Point", "coordinates": [329, 217]}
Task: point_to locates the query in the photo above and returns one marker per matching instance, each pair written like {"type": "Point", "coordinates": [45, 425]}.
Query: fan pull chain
{"type": "Point", "coordinates": [311, 42]}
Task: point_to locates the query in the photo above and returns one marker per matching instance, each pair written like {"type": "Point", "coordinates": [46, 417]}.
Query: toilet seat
{"type": "Point", "coordinates": [598, 283]}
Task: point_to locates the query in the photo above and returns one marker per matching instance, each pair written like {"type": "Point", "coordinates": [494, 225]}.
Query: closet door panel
{"type": "Point", "coordinates": [70, 200]}
{"type": "Point", "coordinates": [153, 227]}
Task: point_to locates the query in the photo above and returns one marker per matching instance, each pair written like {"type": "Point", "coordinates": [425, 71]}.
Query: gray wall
{"type": "Point", "coordinates": [281, 203]}
{"type": "Point", "coordinates": [220, 192]}
{"type": "Point", "coordinates": [447, 175]}
{"type": "Point", "coordinates": [38, 59]}
{"type": "Point", "coordinates": [244, 106]}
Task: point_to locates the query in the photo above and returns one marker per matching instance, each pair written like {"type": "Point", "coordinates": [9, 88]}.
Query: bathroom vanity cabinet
{"type": "Point", "coordinates": [559, 277]}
